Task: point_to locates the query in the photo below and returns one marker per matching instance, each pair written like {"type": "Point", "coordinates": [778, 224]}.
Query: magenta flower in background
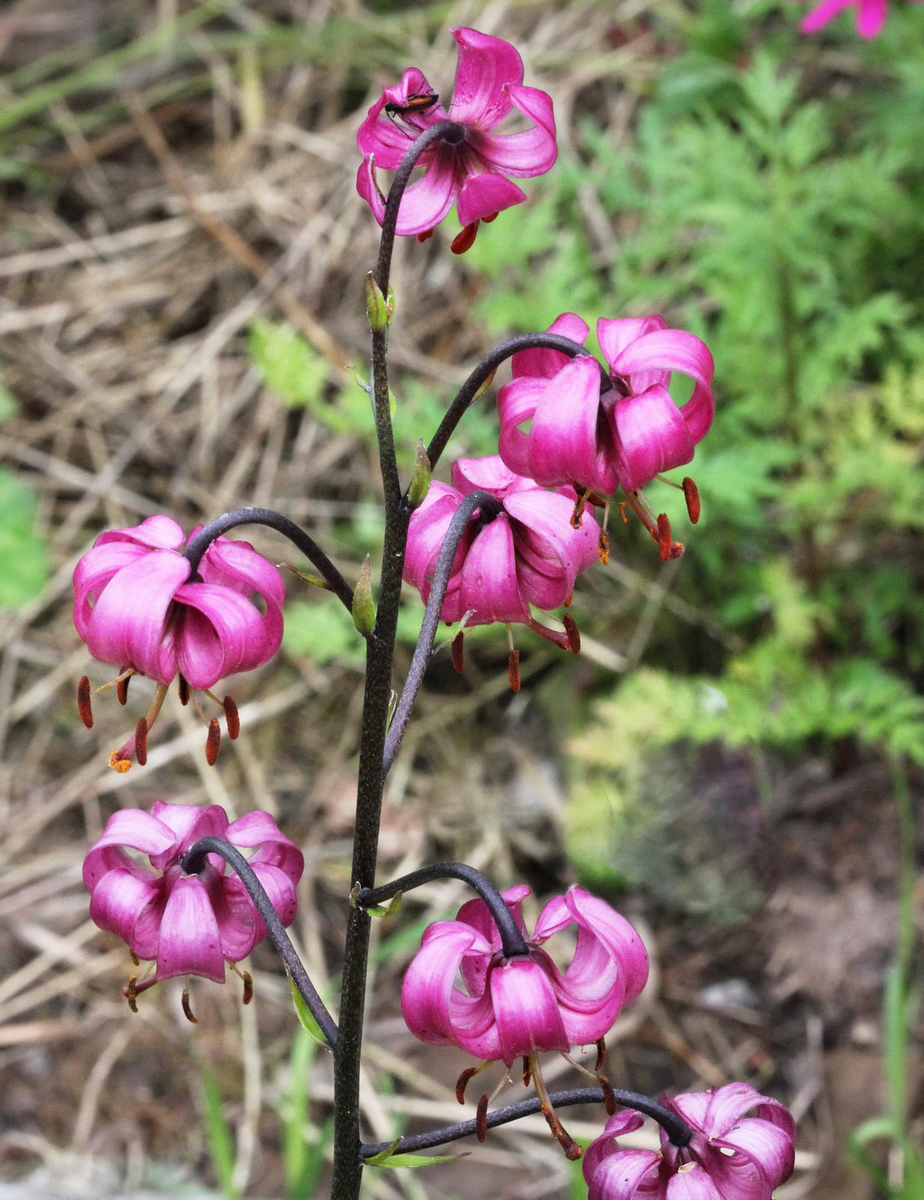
{"type": "Point", "coordinates": [506, 1008]}
{"type": "Point", "coordinates": [732, 1156]}
{"type": "Point", "coordinates": [559, 426]}
{"type": "Point", "coordinates": [135, 606]}
{"type": "Point", "coordinates": [870, 15]}
{"type": "Point", "coordinates": [528, 555]}
{"type": "Point", "coordinates": [471, 169]}
{"type": "Point", "coordinates": [187, 924]}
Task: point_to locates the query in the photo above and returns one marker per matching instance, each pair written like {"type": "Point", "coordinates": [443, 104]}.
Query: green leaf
{"type": "Point", "coordinates": [388, 1158]}
{"type": "Point", "coordinates": [22, 551]}
{"type": "Point", "coordinates": [305, 1016]}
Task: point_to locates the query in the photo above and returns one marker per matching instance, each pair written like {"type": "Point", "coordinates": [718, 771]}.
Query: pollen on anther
{"type": "Point", "coordinates": [603, 548]}
{"type": "Point", "coordinates": [130, 992]}
{"type": "Point", "coordinates": [213, 742]}
{"type": "Point", "coordinates": [232, 718]}
{"type": "Point", "coordinates": [664, 539]}
{"type": "Point", "coordinates": [84, 704]}
{"type": "Point", "coordinates": [118, 763]}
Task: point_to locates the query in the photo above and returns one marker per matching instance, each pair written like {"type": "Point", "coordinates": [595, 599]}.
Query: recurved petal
{"type": "Point", "coordinates": [664, 350]}
{"type": "Point", "coordinates": [130, 827]}
{"type": "Point", "coordinates": [728, 1104]}
{"type": "Point", "coordinates": [525, 1009]}
{"type": "Point", "coordinates": [651, 436]}
{"type": "Point", "coordinates": [190, 942]}
{"type": "Point", "coordinates": [128, 623]}
{"type": "Point", "coordinates": [238, 565]}
{"type": "Point", "coordinates": [424, 203]}
{"type": "Point", "coordinates": [824, 13]}
{"type": "Point", "coordinates": [564, 446]}
{"type": "Point", "coordinates": [259, 829]}
{"type": "Point", "coordinates": [871, 16]}
{"type": "Point", "coordinates": [382, 137]}
{"type": "Point", "coordinates": [694, 1182]}
{"type": "Point", "coordinates": [155, 533]}
{"type": "Point", "coordinates": [488, 474]}
{"type": "Point", "coordinates": [434, 1009]}
{"type": "Point", "coordinates": [624, 1175]}
{"type": "Point", "coordinates": [546, 363]}
{"type": "Point", "coordinates": [615, 336]}
{"type": "Point", "coordinates": [488, 579]}
{"type": "Point", "coordinates": [516, 403]}
{"type": "Point", "coordinates": [94, 571]}
{"type": "Point", "coordinates": [487, 67]}
{"type": "Point", "coordinates": [754, 1141]}
{"type": "Point", "coordinates": [484, 195]}
{"type": "Point", "coordinates": [189, 822]}
{"type": "Point", "coordinates": [119, 899]}
{"type": "Point", "coordinates": [427, 532]}
{"type": "Point", "coordinates": [532, 152]}
{"type": "Point", "coordinates": [219, 632]}
{"type": "Point", "coordinates": [625, 1120]}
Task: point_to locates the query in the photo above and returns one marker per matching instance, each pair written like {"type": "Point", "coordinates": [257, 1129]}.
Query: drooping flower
{"type": "Point", "coordinates": [869, 18]}
{"type": "Point", "coordinates": [187, 924]}
{"type": "Point", "coordinates": [529, 554]}
{"type": "Point", "coordinates": [471, 166]}
{"type": "Point", "coordinates": [602, 437]}
{"type": "Point", "coordinates": [732, 1156]}
{"type": "Point", "coordinates": [137, 606]}
{"type": "Point", "coordinates": [515, 1007]}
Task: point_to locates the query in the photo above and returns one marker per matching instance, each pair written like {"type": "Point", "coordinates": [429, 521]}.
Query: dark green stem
{"type": "Point", "coordinates": [197, 545]}
{"type": "Point", "coordinates": [677, 1130]}
{"type": "Point", "coordinates": [193, 862]}
{"type": "Point", "coordinates": [512, 939]}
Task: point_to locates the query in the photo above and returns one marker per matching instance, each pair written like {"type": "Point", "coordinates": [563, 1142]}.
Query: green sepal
{"type": "Point", "coordinates": [306, 1017]}
{"type": "Point", "coordinates": [420, 484]}
{"type": "Point", "coordinates": [388, 1158]}
{"type": "Point", "coordinates": [363, 608]}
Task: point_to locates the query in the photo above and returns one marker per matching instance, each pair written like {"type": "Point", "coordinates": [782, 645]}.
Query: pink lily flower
{"type": "Point", "coordinates": [136, 606]}
{"type": "Point", "coordinates": [732, 1156]}
{"type": "Point", "coordinates": [470, 170]}
{"type": "Point", "coordinates": [601, 439]}
{"type": "Point", "coordinates": [528, 555]}
{"type": "Point", "coordinates": [187, 924]}
{"type": "Point", "coordinates": [518, 1007]}
{"type": "Point", "coordinates": [870, 15]}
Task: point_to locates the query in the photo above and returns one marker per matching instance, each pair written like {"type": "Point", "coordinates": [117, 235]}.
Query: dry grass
{"type": "Point", "coordinates": [189, 190]}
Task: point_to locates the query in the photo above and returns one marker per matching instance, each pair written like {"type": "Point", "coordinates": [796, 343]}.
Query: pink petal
{"type": "Point", "coordinates": [564, 442]}
{"type": "Point", "coordinates": [547, 363]}
{"type": "Point", "coordinates": [190, 942]}
{"type": "Point", "coordinates": [130, 827]}
{"type": "Point", "coordinates": [484, 195]}
{"type": "Point", "coordinates": [517, 402]}
{"type": "Point", "coordinates": [525, 1009]}
{"type": "Point", "coordinates": [437, 1012]}
{"type": "Point", "coordinates": [625, 1120]}
{"type": "Point", "coordinates": [128, 623]}
{"type": "Point", "coordinates": [384, 138]}
{"type": "Point", "coordinates": [259, 829]}
{"type": "Point", "coordinates": [487, 66]}
{"type": "Point", "coordinates": [625, 1175]}
{"type": "Point", "coordinates": [532, 152]}
{"type": "Point", "coordinates": [645, 360]}
{"type": "Point", "coordinates": [94, 571]}
{"type": "Point", "coordinates": [218, 633]}
{"type": "Point", "coordinates": [651, 435]}
{"type": "Point", "coordinates": [488, 474]}
{"type": "Point", "coordinates": [155, 533]}
{"type": "Point", "coordinates": [119, 898]}
{"type": "Point", "coordinates": [616, 335]}
{"type": "Point", "coordinates": [488, 579]}
{"type": "Point", "coordinates": [728, 1104]}
{"type": "Point", "coordinates": [238, 565]}
{"type": "Point", "coordinates": [767, 1146]}
{"type": "Point", "coordinates": [694, 1182]}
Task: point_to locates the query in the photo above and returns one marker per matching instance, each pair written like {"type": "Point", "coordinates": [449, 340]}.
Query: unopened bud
{"type": "Point", "coordinates": [420, 484]}
{"type": "Point", "coordinates": [376, 305]}
{"type": "Point", "coordinates": [363, 608]}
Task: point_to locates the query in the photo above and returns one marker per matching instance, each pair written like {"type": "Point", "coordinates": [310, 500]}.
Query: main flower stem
{"type": "Point", "coordinates": [380, 646]}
